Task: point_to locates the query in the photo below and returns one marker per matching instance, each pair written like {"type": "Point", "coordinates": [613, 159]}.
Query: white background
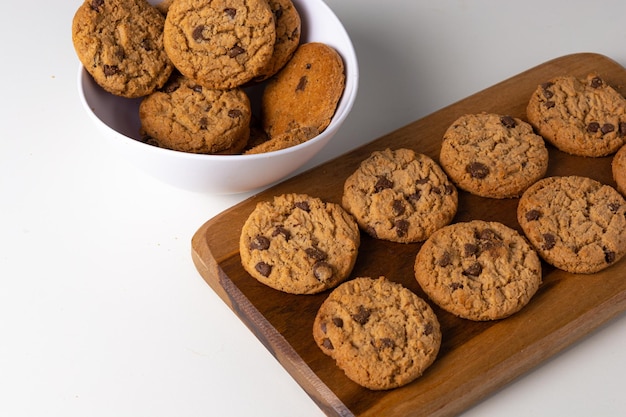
{"type": "Point", "coordinates": [102, 312]}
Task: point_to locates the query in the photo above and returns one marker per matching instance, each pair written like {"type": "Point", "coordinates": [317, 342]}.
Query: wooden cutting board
{"type": "Point", "coordinates": [476, 358]}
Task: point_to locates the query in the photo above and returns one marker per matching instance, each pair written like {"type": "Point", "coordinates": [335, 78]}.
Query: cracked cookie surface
{"type": "Point", "coordinates": [220, 44]}
{"type": "Point", "coordinates": [299, 244]}
{"type": "Point", "coordinates": [584, 117]}
{"type": "Point", "coordinates": [493, 155]}
{"type": "Point", "coordinates": [120, 44]}
{"type": "Point", "coordinates": [478, 270]}
{"type": "Point", "coordinates": [400, 195]}
{"type": "Point", "coordinates": [380, 333]}
{"type": "Point", "coordinates": [575, 223]}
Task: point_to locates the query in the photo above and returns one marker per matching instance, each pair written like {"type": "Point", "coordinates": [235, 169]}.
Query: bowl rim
{"type": "Point", "coordinates": [346, 100]}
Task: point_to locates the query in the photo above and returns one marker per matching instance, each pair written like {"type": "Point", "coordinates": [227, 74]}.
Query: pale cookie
{"type": "Point", "coordinates": [378, 332]}
{"type": "Point", "coordinates": [299, 244]}
{"type": "Point", "coordinates": [492, 155]}
{"type": "Point", "coordinates": [305, 93]}
{"type": "Point", "coordinates": [220, 44]}
{"type": "Point", "coordinates": [618, 168]}
{"type": "Point", "coordinates": [187, 117]}
{"type": "Point", "coordinates": [288, 31]}
{"type": "Point", "coordinates": [478, 270]}
{"type": "Point", "coordinates": [120, 44]}
{"type": "Point", "coordinates": [584, 117]}
{"type": "Point", "coordinates": [575, 223]}
{"type": "Point", "coordinates": [400, 195]}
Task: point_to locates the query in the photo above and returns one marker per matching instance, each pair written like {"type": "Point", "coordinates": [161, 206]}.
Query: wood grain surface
{"type": "Point", "coordinates": [476, 358]}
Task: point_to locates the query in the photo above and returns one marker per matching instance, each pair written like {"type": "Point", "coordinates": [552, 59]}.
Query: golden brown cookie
{"type": "Point", "coordinates": [288, 30]}
{"type": "Point", "coordinates": [187, 117]}
{"type": "Point", "coordinates": [584, 117]}
{"type": "Point", "coordinates": [618, 168]}
{"type": "Point", "coordinates": [400, 195]}
{"type": "Point", "coordinates": [220, 44]}
{"type": "Point", "coordinates": [575, 223]}
{"type": "Point", "coordinates": [380, 334]}
{"type": "Point", "coordinates": [120, 44]}
{"type": "Point", "coordinates": [286, 140]}
{"type": "Point", "coordinates": [478, 270]}
{"type": "Point", "coordinates": [299, 244]}
{"type": "Point", "coordinates": [493, 155]}
{"type": "Point", "coordinates": [305, 93]}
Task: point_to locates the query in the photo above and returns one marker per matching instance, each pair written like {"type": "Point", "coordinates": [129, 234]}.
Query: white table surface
{"type": "Point", "coordinates": [102, 312]}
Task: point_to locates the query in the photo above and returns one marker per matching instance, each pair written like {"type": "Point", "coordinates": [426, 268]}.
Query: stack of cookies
{"type": "Point", "coordinates": [193, 62]}
{"type": "Point", "coordinates": [380, 333]}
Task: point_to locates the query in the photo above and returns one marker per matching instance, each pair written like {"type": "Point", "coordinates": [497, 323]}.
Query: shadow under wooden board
{"type": "Point", "coordinates": [476, 358]}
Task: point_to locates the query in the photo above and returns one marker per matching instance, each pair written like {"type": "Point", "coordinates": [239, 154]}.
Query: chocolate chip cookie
{"type": "Point", "coordinates": [379, 333]}
{"type": "Point", "coordinates": [584, 117]}
{"type": "Point", "coordinates": [120, 44]}
{"type": "Point", "coordinates": [285, 140]}
{"type": "Point", "coordinates": [493, 155]}
{"type": "Point", "coordinates": [299, 244]}
{"type": "Point", "coordinates": [400, 195]}
{"type": "Point", "coordinates": [478, 270]}
{"type": "Point", "coordinates": [305, 93]}
{"type": "Point", "coordinates": [185, 116]}
{"type": "Point", "coordinates": [618, 169]}
{"type": "Point", "coordinates": [220, 44]}
{"type": "Point", "coordinates": [575, 223]}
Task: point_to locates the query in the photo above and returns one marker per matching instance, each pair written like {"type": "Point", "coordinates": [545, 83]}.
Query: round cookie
{"type": "Point", "coordinates": [378, 332]}
{"type": "Point", "coordinates": [220, 44]}
{"type": "Point", "coordinates": [299, 244]}
{"type": "Point", "coordinates": [187, 117]}
{"type": "Point", "coordinates": [120, 44]}
{"type": "Point", "coordinates": [305, 92]}
{"type": "Point", "coordinates": [584, 117]}
{"type": "Point", "coordinates": [285, 140]}
{"type": "Point", "coordinates": [575, 223]}
{"type": "Point", "coordinates": [492, 155]}
{"type": "Point", "coordinates": [288, 30]}
{"type": "Point", "coordinates": [400, 195]}
{"type": "Point", "coordinates": [618, 168]}
{"type": "Point", "coordinates": [478, 270]}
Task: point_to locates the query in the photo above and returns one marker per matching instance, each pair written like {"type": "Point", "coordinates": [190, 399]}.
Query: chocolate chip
{"type": "Point", "coordinates": [547, 85]}
{"type": "Point", "coordinates": [470, 249]}
{"type": "Point", "coordinates": [316, 253]}
{"type": "Point", "coordinates": [386, 343]}
{"type": "Point", "coordinates": [362, 316]}
{"type": "Point", "coordinates": [415, 196]}
{"type": "Point", "coordinates": [473, 270]}
{"type": "Point", "coordinates": [456, 286]}
{"type": "Point", "coordinates": [259, 242]}
{"type": "Point", "coordinates": [622, 129]}
{"type": "Point", "coordinates": [147, 45]}
{"type": "Point", "coordinates": [323, 327]}
{"type": "Point", "coordinates": [614, 207]}
{"type": "Point", "coordinates": [448, 189]}
{"type": "Point", "coordinates": [398, 207]}
{"type": "Point", "coordinates": [548, 94]}
{"type": "Point", "coordinates": [402, 227]}
{"type": "Point", "coordinates": [550, 104]}
{"type": "Point", "coordinates": [422, 181]}
{"type": "Point", "coordinates": [549, 241]}
{"type": "Point", "coordinates": [96, 4]}
{"type": "Point", "coordinates": [338, 321]}
{"type": "Point", "coordinates": [533, 214]}
{"type": "Point", "coordinates": [204, 123]}
{"type": "Point", "coordinates": [308, 66]}
{"type": "Point", "coordinates": [196, 88]}
{"type": "Point", "coordinates": [110, 70]}
{"type": "Point", "coordinates": [428, 329]}
{"type": "Point", "coordinates": [609, 256]}
{"type": "Point", "coordinates": [593, 127]}
{"type": "Point", "coordinates": [235, 51]}
{"type": "Point", "coordinates": [230, 12]}
{"type": "Point", "coordinates": [303, 205]}
{"type": "Point", "coordinates": [322, 271]}
{"type": "Point", "coordinates": [382, 184]}
{"type": "Point", "coordinates": [234, 113]}
{"type": "Point", "coordinates": [477, 170]}
{"type": "Point", "coordinates": [508, 122]}
{"type": "Point", "coordinates": [263, 269]}
{"type": "Point", "coordinates": [607, 128]}
{"type": "Point", "coordinates": [327, 344]}
{"type": "Point", "coordinates": [281, 231]}
{"type": "Point", "coordinates": [596, 82]}
{"type": "Point", "coordinates": [302, 83]}
{"type": "Point", "coordinates": [198, 33]}
{"type": "Point", "coordinates": [445, 260]}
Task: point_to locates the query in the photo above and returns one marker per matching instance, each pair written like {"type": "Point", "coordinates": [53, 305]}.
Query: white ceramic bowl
{"type": "Point", "coordinates": [118, 120]}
